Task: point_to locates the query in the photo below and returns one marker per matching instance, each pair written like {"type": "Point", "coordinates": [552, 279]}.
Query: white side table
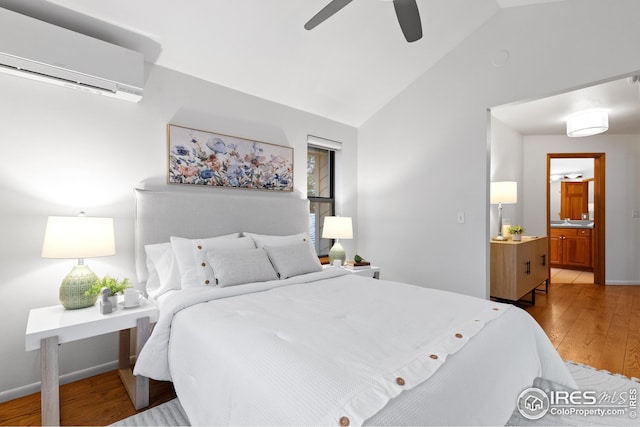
{"type": "Point", "coordinates": [366, 272]}
{"type": "Point", "coordinates": [50, 326]}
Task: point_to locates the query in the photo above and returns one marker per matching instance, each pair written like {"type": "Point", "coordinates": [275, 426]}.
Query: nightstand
{"type": "Point", "coordinates": [50, 326]}
{"type": "Point", "coordinates": [366, 272]}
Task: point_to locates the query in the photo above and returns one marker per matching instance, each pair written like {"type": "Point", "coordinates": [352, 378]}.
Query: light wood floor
{"type": "Point", "coordinates": [96, 401]}
{"type": "Point", "coordinates": [592, 324]}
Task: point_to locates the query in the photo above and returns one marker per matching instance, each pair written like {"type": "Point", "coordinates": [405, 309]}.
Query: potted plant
{"type": "Point", "coordinates": [114, 285]}
{"type": "Point", "coordinates": [516, 232]}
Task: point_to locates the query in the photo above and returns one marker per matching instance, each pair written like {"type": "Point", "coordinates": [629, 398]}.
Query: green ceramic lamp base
{"type": "Point", "coordinates": [337, 253]}
{"type": "Point", "coordinates": [74, 285]}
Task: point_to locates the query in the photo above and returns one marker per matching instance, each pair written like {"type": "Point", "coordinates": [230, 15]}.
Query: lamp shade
{"type": "Point", "coordinates": [587, 123]}
{"type": "Point", "coordinates": [505, 192]}
{"type": "Point", "coordinates": [337, 227]}
{"type": "Point", "coordinates": [78, 237]}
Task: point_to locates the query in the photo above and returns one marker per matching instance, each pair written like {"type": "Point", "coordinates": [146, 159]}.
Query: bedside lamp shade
{"type": "Point", "coordinates": [503, 192]}
{"type": "Point", "coordinates": [337, 227]}
{"type": "Point", "coordinates": [78, 237]}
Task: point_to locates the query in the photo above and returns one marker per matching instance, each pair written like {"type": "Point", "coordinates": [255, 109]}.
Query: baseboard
{"type": "Point", "coordinates": [622, 282]}
{"type": "Point", "coordinates": [28, 389]}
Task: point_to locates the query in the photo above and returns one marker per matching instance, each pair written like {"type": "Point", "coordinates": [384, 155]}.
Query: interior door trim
{"type": "Point", "coordinates": [599, 208]}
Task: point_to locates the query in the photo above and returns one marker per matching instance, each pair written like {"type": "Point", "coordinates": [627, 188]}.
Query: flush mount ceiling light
{"type": "Point", "coordinates": [587, 123]}
{"type": "Point", "coordinates": [573, 176]}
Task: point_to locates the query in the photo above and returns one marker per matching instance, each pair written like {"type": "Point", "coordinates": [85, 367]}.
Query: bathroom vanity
{"type": "Point", "coordinates": [571, 244]}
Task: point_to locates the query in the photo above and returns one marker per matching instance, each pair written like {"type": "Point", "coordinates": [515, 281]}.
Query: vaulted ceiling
{"type": "Point", "coordinates": [345, 69]}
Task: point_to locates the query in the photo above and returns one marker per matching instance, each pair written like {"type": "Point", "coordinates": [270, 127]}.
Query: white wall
{"type": "Point", "coordinates": [424, 156]}
{"type": "Point", "coordinates": [622, 181]}
{"type": "Point", "coordinates": [65, 151]}
{"type": "Point", "coordinates": [506, 165]}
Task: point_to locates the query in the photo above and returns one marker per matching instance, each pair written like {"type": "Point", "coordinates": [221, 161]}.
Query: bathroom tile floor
{"type": "Point", "coordinates": [559, 275]}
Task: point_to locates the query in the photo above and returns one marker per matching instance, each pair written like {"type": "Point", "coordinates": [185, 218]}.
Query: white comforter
{"type": "Point", "coordinates": [326, 348]}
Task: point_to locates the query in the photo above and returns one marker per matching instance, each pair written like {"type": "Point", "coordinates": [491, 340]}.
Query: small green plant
{"type": "Point", "coordinates": [114, 286]}
{"type": "Point", "coordinates": [516, 229]}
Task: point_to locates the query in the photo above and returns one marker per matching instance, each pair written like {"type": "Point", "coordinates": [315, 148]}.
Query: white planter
{"type": "Point", "coordinates": [516, 237]}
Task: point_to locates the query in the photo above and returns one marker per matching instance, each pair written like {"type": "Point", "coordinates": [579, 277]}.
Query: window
{"type": "Point", "coordinates": [320, 190]}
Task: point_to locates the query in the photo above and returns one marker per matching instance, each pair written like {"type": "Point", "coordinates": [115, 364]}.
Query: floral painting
{"type": "Point", "coordinates": [206, 158]}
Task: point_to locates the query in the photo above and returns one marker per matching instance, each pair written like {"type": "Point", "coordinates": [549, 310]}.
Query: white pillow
{"type": "Point", "coordinates": [293, 260]}
{"type": "Point", "coordinates": [164, 274]}
{"type": "Point", "coordinates": [190, 254]}
{"type": "Point", "coordinates": [241, 267]}
{"type": "Point", "coordinates": [263, 240]}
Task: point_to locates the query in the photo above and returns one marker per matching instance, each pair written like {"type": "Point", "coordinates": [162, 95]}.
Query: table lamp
{"type": "Point", "coordinates": [337, 227]}
{"type": "Point", "coordinates": [78, 237]}
{"type": "Point", "coordinates": [503, 192]}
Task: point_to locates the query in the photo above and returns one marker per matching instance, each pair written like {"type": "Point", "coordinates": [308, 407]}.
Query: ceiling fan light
{"type": "Point", "coordinates": [587, 123]}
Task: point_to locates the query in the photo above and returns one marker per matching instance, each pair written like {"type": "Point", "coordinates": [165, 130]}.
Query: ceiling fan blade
{"type": "Point", "coordinates": [326, 13]}
{"type": "Point", "coordinates": [409, 19]}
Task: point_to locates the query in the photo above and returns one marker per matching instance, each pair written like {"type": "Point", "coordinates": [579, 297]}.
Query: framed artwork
{"type": "Point", "coordinates": [205, 158]}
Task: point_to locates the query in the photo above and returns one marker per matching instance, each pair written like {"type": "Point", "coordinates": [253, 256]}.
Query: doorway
{"type": "Point", "coordinates": [597, 248]}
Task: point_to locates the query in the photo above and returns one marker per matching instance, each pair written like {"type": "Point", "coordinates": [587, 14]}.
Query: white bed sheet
{"type": "Point", "coordinates": [311, 354]}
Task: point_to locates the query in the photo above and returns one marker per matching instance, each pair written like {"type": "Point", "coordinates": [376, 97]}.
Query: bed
{"type": "Point", "coordinates": [254, 331]}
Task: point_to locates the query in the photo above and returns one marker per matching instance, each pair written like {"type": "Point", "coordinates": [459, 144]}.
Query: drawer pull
{"type": "Point", "coordinates": [544, 259]}
{"type": "Point", "coordinates": [528, 265]}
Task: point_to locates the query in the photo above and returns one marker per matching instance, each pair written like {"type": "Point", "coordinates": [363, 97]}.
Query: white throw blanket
{"type": "Point", "coordinates": [321, 352]}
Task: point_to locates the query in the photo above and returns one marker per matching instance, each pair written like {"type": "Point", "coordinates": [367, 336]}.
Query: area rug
{"type": "Point", "coordinates": [613, 391]}
{"type": "Point", "coordinates": [167, 414]}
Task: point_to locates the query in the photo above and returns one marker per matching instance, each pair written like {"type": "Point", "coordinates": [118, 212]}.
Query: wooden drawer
{"type": "Point", "coordinates": [571, 232]}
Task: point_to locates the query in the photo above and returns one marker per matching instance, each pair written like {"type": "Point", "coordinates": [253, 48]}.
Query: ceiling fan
{"type": "Point", "coordinates": [406, 11]}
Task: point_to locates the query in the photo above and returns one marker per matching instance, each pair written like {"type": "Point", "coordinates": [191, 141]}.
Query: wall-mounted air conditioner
{"type": "Point", "coordinates": [41, 51]}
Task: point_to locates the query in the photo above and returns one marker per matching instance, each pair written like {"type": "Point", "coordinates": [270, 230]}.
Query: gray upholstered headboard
{"type": "Point", "coordinates": [188, 213]}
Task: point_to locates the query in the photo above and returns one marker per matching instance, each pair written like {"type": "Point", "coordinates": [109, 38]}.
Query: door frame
{"type": "Point", "coordinates": [599, 208]}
